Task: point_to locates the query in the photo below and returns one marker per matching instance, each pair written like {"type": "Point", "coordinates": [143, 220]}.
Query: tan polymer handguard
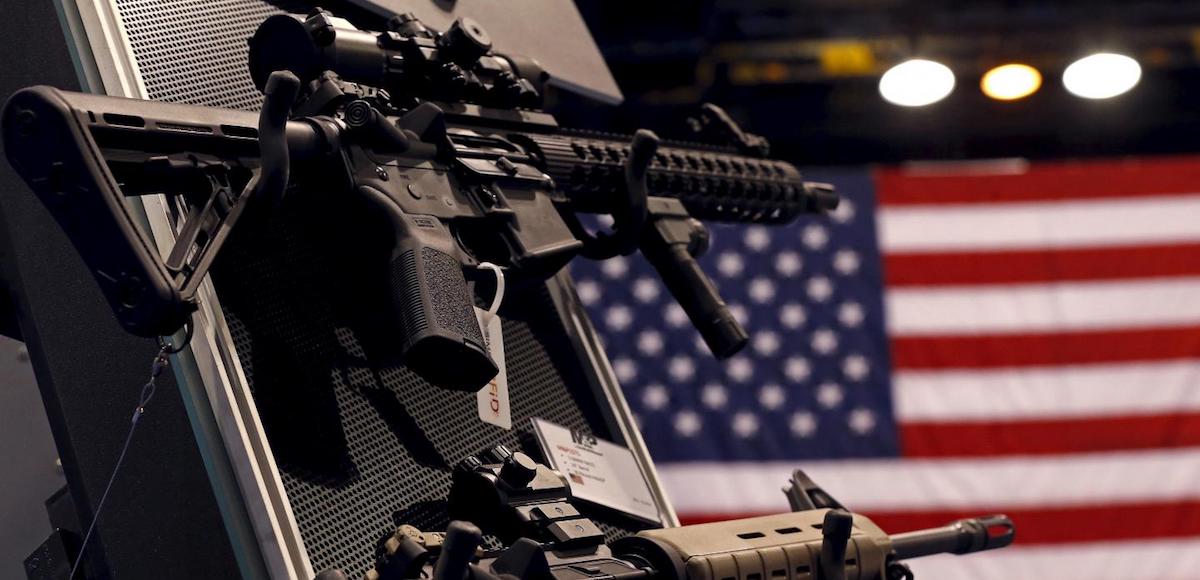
{"type": "Point", "coordinates": [777, 547]}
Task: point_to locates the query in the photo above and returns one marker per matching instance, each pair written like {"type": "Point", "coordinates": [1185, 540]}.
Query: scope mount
{"type": "Point", "coordinates": [410, 61]}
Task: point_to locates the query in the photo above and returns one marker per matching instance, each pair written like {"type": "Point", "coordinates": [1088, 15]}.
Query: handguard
{"type": "Point", "coordinates": [787, 545]}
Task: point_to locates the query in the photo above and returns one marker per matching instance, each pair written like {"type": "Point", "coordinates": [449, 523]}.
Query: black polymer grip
{"type": "Point", "coordinates": [441, 339]}
{"type": "Point", "coordinates": [49, 146]}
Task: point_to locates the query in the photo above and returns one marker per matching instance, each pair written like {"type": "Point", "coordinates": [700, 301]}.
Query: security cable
{"type": "Point", "coordinates": [160, 363]}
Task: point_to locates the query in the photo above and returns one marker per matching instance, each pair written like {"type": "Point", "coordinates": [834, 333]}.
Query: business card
{"type": "Point", "coordinates": [599, 471]}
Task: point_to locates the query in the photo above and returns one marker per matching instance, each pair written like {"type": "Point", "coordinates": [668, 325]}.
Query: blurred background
{"type": "Point", "coordinates": [1002, 316]}
{"type": "Point", "coordinates": [805, 73]}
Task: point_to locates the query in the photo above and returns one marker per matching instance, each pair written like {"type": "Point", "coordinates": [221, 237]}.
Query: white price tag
{"type": "Point", "coordinates": [493, 397]}
{"type": "Point", "coordinates": [599, 471]}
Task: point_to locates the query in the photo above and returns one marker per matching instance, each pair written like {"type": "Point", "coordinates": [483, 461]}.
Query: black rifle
{"type": "Point", "coordinates": [440, 134]}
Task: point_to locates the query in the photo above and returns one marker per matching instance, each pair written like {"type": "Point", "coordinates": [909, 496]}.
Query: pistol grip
{"type": "Point", "coordinates": [441, 338]}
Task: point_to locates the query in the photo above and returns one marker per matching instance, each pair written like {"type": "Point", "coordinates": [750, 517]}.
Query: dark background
{"type": "Point", "coordinates": [762, 61]}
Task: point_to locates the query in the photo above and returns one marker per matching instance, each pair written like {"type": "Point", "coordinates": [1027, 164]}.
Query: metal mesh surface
{"type": "Point", "coordinates": [195, 51]}
{"type": "Point", "coordinates": [364, 445]}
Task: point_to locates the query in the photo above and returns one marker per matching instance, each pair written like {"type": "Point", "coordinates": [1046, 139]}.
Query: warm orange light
{"type": "Point", "coordinates": [1011, 82]}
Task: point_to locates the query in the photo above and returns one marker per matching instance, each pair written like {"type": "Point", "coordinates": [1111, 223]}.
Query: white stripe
{"type": "Point", "coordinates": [1062, 224]}
{"type": "Point", "coordinates": [1043, 307]}
{"type": "Point", "coordinates": [1070, 391]}
{"type": "Point", "coordinates": [976, 484]}
{"type": "Point", "coordinates": [1174, 559]}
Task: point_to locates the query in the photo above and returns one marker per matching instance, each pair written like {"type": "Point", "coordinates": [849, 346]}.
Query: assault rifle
{"type": "Point", "coordinates": [440, 134]}
{"type": "Point", "coordinates": [528, 507]}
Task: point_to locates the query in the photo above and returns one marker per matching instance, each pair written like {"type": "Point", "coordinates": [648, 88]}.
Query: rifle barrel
{"type": "Point", "coordinates": [961, 537]}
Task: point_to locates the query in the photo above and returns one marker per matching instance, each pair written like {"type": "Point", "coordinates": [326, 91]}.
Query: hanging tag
{"type": "Point", "coordinates": [493, 397]}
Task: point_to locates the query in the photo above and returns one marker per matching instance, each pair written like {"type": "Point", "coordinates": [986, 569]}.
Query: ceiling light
{"type": "Point", "coordinates": [916, 83]}
{"type": "Point", "coordinates": [1011, 82]}
{"type": "Point", "coordinates": [1102, 76]}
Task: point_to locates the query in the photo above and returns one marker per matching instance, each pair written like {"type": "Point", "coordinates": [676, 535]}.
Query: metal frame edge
{"type": "Point", "coordinates": [586, 342]}
{"type": "Point", "coordinates": [236, 452]}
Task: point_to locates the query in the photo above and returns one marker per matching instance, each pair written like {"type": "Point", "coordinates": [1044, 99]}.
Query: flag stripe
{"type": "Point", "coordinates": [1045, 340]}
{"type": "Point", "coordinates": [1026, 226]}
{"type": "Point", "coordinates": [1058, 525]}
{"type": "Point", "coordinates": [1048, 181]}
{"type": "Point", "coordinates": [1043, 307]}
{"type": "Point", "coordinates": [1167, 559]}
{"type": "Point", "coordinates": [1028, 266]}
{"type": "Point", "coordinates": [1102, 390]}
{"type": "Point", "coordinates": [1048, 437]}
{"type": "Point", "coordinates": [1048, 348]}
{"type": "Point", "coordinates": [913, 484]}
{"type": "Point", "coordinates": [1044, 525]}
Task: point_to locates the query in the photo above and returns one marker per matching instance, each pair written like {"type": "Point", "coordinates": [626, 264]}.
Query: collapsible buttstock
{"type": "Point", "coordinates": [48, 144]}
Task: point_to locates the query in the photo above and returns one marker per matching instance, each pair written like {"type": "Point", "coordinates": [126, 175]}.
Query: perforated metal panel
{"type": "Point", "coordinates": [362, 444]}
{"type": "Point", "coordinates": [195, 51]}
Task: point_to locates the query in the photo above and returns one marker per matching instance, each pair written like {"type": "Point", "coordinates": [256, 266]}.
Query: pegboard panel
{"type": "Point", "coordinates": [195, 51]}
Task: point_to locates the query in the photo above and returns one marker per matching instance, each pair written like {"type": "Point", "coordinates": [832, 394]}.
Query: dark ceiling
{"type": "Point", "coordinates": [804, 74]}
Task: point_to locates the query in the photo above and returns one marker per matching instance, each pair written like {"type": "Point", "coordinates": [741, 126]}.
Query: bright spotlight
{"type": "Point", "coordinates": [1102, 76]}
{"type": "Point", "coordinates": [1011, 82]}
{"type": "Point", "coordinates": [916, 83]}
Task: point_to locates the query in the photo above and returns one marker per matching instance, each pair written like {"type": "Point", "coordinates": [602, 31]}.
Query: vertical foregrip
{"type": "Point", "coordinates": [695, 293]}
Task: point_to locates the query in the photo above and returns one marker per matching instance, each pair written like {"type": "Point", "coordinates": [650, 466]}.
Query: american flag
{"type": "Point", "coordinates": [955, 340]}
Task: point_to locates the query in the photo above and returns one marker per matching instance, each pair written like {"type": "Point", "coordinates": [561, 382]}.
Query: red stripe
{"type": "Point", "coordinates": [1116, 178]}
{"type": "Point", "coordinates": [1052, 348]}
{"type": "Point", "coordinates": [1047, 525]}
{"type": "Point", "coordinates": [1050, 436]}
{"type": "Point", "coordinates": [1043, 265]}
{"type": "Point", "coordinates": [1057, 525]}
